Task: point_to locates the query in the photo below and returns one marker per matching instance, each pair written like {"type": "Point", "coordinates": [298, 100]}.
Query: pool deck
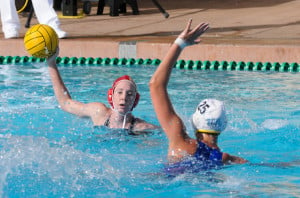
{"type": "Point", "coordinates": [241, 30]}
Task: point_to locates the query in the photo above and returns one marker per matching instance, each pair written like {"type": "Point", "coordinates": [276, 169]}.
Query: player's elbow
{"type": "Point", "coordinates": [65, 105]}
{"type": "Point", "coordinates": [153, 84]}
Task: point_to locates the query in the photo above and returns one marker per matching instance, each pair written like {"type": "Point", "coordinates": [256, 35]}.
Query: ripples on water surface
{"type": "Point", "coordinates": [47, 152]}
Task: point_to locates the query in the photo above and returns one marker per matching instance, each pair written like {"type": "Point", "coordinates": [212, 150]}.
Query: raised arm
{"type": "Point", "coordinates": [63, 96]}
{"type": "Point", "coordinates": [169, 120]}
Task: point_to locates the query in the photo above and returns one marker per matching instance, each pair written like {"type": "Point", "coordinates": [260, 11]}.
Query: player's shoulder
{"type": "Point", "coordinates": [97, 106]}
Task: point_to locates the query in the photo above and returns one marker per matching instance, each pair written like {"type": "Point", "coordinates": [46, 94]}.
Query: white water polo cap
{"type": "Point", "coordinates": [210, 117]}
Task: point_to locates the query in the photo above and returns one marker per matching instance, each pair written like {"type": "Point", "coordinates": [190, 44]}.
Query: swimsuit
{"type": "Point", "coordinates": [107, 122]}
{"type": "Point", "coordinates": [205, 158]}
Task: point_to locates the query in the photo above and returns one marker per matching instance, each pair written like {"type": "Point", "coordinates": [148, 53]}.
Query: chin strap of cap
{"type": "Point", "coordinates": [207, 131]}
{"type": "Point", "coordinates": [125, 115]}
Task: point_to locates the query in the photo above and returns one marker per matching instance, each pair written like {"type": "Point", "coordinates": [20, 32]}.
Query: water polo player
{"type": "Point", "coordinates": [185, 153]}
{"type": "Point", "coordinates": [123, 97]}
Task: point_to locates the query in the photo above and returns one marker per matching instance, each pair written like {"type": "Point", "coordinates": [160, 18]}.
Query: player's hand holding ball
{"type": "Point", "coordinates": [41, 41]}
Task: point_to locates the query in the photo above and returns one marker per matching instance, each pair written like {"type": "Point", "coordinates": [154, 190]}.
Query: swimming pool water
{"type": "Point", "coordinates": [45, 152]}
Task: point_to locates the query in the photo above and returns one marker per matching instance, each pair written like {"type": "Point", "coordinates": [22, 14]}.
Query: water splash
{"type": "Point", "coordinates": [273, 124]}
{"type": "Point", "coordinates": [30, 156]}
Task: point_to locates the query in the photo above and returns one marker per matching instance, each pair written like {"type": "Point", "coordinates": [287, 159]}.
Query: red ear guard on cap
{"type": "Point", "coordinates": [111, 91]}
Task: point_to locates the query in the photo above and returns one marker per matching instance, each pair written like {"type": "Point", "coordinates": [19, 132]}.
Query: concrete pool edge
{"type": "Point", "coordinates": [144, 49]}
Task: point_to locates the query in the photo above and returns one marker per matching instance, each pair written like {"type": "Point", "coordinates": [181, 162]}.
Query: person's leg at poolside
{"type": "Point", "coordinates": [46, 14]}
{"type": "Point", "coordinates": [10, 19]}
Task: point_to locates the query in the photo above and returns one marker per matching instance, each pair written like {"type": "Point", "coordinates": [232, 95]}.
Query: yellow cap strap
{"type": "Point", "coordinates": [207, 131]}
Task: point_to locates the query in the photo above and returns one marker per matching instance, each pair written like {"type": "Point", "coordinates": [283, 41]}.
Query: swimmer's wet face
{"type": "Point", "coordinates": [124, 96]}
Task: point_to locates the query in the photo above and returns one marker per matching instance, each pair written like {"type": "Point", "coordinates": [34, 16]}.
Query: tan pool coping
{"type": "Point", "coordinates": [251, 30]}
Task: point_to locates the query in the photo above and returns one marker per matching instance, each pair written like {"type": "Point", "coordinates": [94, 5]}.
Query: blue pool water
{"type": "Point", "coordinates": [45, 152]}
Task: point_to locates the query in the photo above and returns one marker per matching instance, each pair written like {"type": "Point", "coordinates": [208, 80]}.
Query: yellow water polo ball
{"type": "Point", "coordinates": [41, 41]}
